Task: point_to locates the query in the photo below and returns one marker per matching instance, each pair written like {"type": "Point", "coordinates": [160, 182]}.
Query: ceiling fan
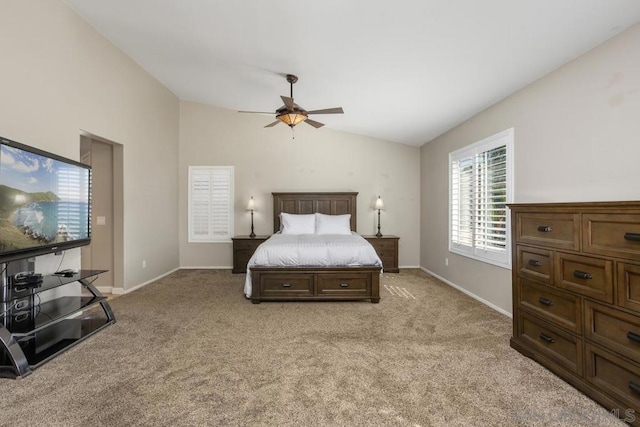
{"type": "Point", "coordinates": [291, 113]}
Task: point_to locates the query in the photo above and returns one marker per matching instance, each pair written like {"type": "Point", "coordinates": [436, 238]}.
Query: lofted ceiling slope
{"type": "Point", "coordinates": [404, 71]}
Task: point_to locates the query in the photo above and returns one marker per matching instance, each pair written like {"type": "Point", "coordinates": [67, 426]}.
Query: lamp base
{"type": "Point", "coordinates": [252, 235]}
{"type": "Point", "coordinates": [379, 234]}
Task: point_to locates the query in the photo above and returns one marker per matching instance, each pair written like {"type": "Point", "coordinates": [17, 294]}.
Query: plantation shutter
{"type": "Point", "coordinates": [462, 202]}
{"type": "Point", "coordinates": [210, 203]}
{"type": "Point", "coordinates": [480, 189]}
{"type": "Point", "coordinates": [491, 195]}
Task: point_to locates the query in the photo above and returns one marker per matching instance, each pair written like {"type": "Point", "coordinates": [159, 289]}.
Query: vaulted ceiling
{"type": "Point", "coordinates": [404, 71]}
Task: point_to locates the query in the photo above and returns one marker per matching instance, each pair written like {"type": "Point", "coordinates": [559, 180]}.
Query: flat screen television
{"type": "Point", "coordinates": [45, 202]}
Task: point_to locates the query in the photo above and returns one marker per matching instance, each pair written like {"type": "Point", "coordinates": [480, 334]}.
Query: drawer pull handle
{"type": "Point", "coordinates": [582, 275]}
{"type": "Point", "coordinates": [547, 338]}
{"type": "Point", "coordinates": [546, 302]}
{"type": "Point", "coordinates": [634, 387]}
{"type": "Point", "coordinates": [635, 237]}
{"type": "Point", "coordinates": [344, 285]}
{"type": "Point", "coordinates": [286, 285]}
{"type": "Point", "coordinates": [544, 228]}
{"type": "Point", "coordinates": [534, 263]}
{"type": "Point", "coordinates": [633, 337]}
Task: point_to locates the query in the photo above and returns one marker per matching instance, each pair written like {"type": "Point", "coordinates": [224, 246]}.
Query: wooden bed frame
{"type": "Point", "coordinates": [309, 282]}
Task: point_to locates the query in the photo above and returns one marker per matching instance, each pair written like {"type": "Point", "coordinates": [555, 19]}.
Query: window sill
{"type": "Point", "coordinates": [500, 264]}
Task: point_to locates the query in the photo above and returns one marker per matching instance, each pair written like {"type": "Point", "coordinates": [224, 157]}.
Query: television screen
{"type": "Point", "coordinates": [44, 202]}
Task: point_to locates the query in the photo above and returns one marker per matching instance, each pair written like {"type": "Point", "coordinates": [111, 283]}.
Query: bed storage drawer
{"type": "Point", "coordinates": [282, 285]}
{"type": "Point", "coordinates": [347, 284]}
{"type": "Point", "coordinates": [315, 283]}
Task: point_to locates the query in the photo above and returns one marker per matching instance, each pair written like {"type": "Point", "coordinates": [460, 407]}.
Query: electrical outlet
{"type": "Point", "coordinates": [144, 263]}
{"type": "Point", "coordinates": [446, 262]}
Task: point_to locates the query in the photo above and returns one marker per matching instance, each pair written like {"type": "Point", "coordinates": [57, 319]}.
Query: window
{"type": "Point", "coordinates": [481, 185]}
{"type": "Point", "coordinates": [210, 203]}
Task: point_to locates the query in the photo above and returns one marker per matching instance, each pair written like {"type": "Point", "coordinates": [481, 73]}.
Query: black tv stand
{"type": "Point", "coordinates": [34, 330]}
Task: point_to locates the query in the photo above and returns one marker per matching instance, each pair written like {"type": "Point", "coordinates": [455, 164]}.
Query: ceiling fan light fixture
{"type": "Point", "coordinates": [292, 118]}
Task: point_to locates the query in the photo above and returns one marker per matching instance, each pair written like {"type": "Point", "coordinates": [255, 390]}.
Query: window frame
{"type": "Point", "coordinates": [211, 237]}
{"type": "Point", "coordinates": [498, 258]}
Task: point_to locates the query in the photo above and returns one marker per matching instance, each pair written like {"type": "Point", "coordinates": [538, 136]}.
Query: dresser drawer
{"type": "Point", "coordinates": [556, 230]}
{"type": "Point", "coordinates": [554, 305]}
{"type": "Point", "coordinates": [613, 329]}
{"type": "Point", "coordinates": [629, 286]}
{"type": "Point", "coordinates": [558, 345]}
{"type": "Point", "coordinates": [612, 234]}
{"type": "Point", "coordinates": [286, 285]}
{"type": "Point", "coordinates": [591, 277]}
{"type": "Point", "coordinates": [382, 244]}
{"type": "Point", "coordinates": [388, 258]}
{"type": "Point", "coordinates": [347, 284]}
{"type": "Point", "coordinates": [247, 244]}
{"type": "Point", "coordinates": [617, 377]}
{"type": "Point", "coordinates": [535, 264]}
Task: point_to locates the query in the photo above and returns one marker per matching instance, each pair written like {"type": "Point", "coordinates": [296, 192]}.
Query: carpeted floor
{"type": "Point", "coordinates": [189, 350]}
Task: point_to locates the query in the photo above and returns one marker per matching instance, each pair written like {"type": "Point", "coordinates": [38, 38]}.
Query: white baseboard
{"type": "Point", "coordinates": [105, 289]}
{"type": "Point", "coordinates": [471, 294]}
{"type": "Point", "coordinates": [409, 266]}
{"type": "Point", "coordinates": [120, 291]}
{"type": "Point", "coordinates": [207, 267]}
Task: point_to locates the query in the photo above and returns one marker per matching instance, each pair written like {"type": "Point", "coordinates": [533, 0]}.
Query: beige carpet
{"type": "Point", "coordinates": [190, 350]}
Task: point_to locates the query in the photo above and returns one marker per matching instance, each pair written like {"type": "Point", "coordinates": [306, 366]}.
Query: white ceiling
{"type": "Point", "coordinates": [404, 70]}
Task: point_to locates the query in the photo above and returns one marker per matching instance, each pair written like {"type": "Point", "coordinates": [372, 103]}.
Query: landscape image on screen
{"type": "Point", "coordinates": [43, 201]}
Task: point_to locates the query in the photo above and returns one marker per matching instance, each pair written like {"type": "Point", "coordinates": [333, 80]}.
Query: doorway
{"type": "Point", "coordinates": [107, 244]}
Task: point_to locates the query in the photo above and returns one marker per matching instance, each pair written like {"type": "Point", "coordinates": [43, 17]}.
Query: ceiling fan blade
{"type": "Point", "coordinates": [314, 123]}
{"type": "Point", "coordinates": [336, 110]}
{"type": "Point", "coordinates": [272, 124]}
{"type": "Point", "coordinates": [271, 113]}
{"type": "Point", "coordinates": [288, 102]}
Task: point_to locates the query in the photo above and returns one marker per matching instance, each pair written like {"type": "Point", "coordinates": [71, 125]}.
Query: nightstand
{"type": "Point", "coordinates": [387, 249]}
{"type": "Point", "coordinates": [243, 249]}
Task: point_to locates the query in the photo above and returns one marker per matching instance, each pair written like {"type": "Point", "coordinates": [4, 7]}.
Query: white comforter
{"type": "Point", "coordinates": [290, 250]}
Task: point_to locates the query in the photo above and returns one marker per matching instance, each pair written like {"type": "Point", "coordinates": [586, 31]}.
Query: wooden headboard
{"type": "Point", "coordinates": [308, 203]}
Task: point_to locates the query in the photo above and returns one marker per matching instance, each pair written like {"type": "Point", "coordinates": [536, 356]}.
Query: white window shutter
{"type": "Point", "coordinates": [210, 203]}
{"type": "Point", "coordinates": [491, 199]}
{"type": "Point", "coordinates": [480, 187]}
{"type": "Point", "coordinates": [462, 202]}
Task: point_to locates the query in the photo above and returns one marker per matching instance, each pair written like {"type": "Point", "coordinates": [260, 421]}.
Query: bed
{"type": "Point", "coordinates": [314, 282]}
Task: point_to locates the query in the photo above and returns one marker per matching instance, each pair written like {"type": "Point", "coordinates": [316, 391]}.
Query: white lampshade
{"type": "Point", "coordinates": [251, 206]}
{"type": "Point", "coordinates": [379, 204]}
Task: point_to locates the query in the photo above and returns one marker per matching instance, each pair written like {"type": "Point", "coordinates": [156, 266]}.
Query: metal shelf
{"type": "Point", "coordinates": [33, 332]}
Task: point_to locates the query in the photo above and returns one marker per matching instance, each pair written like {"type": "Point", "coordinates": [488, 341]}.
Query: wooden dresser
{"type": "Point", "coordinates": [576, 296]}
{"type": "Point", "coordinates": [387, 249]}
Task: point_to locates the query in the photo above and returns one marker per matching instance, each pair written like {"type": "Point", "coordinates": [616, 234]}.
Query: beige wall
{"type": "Point", "coordinates": [268, 160]}
{"type": "Point", "coordinates": [577, 138]}
{"type": "Point", "coordinates": [59, 76]}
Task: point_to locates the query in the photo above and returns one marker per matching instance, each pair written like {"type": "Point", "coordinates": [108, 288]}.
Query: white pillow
{"type": "Point", "coordinates": [333, 224]}
{"type": "Point", "coordinates": [297, 224]}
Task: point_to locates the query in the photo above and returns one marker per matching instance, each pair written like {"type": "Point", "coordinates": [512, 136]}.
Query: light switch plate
{"type": "Point", "coordinates": [101, 220]}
